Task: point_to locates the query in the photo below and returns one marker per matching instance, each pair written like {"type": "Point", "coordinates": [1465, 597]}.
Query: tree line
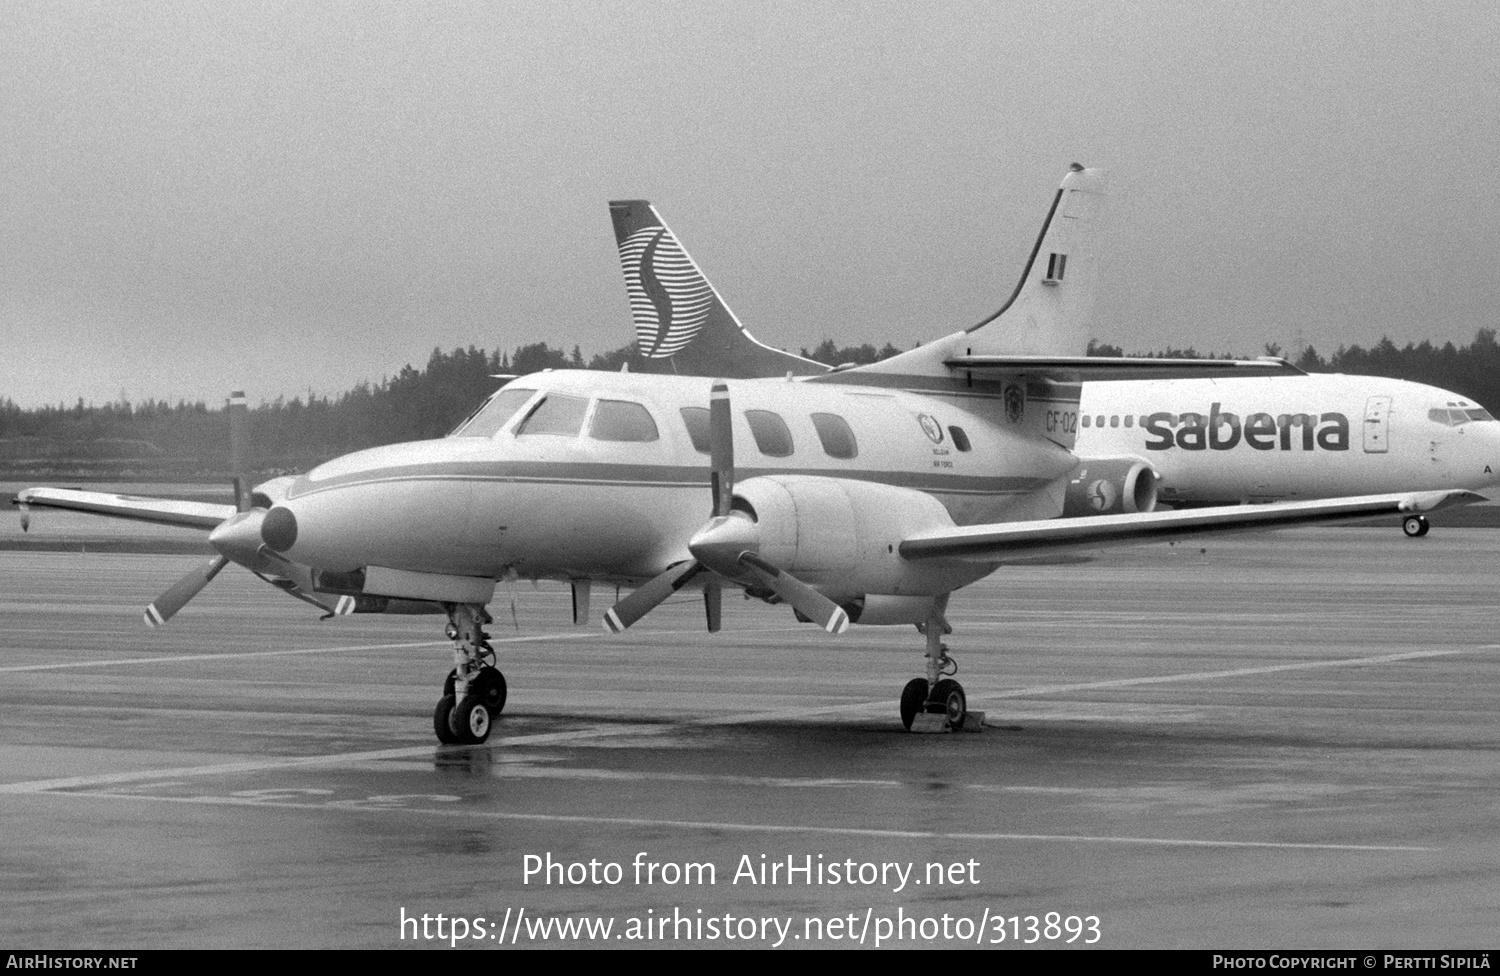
{"type": "Point", "coordinates": [189, 439]}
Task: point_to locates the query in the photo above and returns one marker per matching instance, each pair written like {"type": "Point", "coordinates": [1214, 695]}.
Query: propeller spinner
{"type": "Point", "coordinates": [728, 547]}
{"type": "Point", "coordinates": [237, 538]}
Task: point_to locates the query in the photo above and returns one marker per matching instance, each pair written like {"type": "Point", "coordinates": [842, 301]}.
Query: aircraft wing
{"type": "Point", "coordinates": [1001, 541]}
{"type": "Point", "coordinates": [1076, 369]}
{"type": "Point", "coordinates": [162, 511]}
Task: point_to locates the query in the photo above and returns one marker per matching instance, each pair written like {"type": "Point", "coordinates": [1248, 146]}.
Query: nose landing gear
{"type": "Point", "coordinates": [474, 692]}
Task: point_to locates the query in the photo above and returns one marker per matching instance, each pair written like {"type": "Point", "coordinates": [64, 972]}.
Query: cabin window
{"type": "Point", "coordinates": [493, 414]}
{"type": "Point", "coordinates": [621, 420]}
{"type": "Point", "coordinates": [557, 414]}
{"type": "Point", "coordinates": [838, 439]}
{"type": "Point", "coordinates": [960, 439]}
{"type": "Point", "coordinates": [1088, 421]}
{"type": "Point", "coordinates": [1130, 421]}
{"type": "Point", "coordinates": [1114, 421]}
{"type": "Point", "coordinates": [1099, 420]}
{"type": "Point", "coordinates": [696, 420]}
{"type": "Point", "coordinates": [770, 433]}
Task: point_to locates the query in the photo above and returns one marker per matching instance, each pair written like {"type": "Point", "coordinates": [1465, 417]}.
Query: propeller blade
{"type": "Point", "coordinates": [644, 600]}
{"type": "Point", "coordinates": [165, 607]}
{"type": "Point", "coordinates": [721, 447]}
{"type": "Point", "coordinates": [713, 604]}
{"type": "Point", "coordinates": [803, 598]}
{"type": "Point", "coordinates": [238, 413]}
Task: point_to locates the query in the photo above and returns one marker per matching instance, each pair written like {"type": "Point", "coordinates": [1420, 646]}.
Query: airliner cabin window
{"type": "Point", "coordinates": [838, 439]}
{"type": "Point", "coordinates": [1088, 421]}
{"type": "Point", "coordinates": [696, 419]}
{"type": "Point", "coordinates": [621, 420]}
{"type": "Point", "coordinates": [557, 414]}
{"type": "Point", "coordinates": [959, 438]}
{"type": "Point", "coordinates": [498, 409]}
{"type": "Point", "coordinates": [770, 432]}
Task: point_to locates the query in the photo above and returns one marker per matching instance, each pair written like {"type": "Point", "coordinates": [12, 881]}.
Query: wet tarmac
{"type": "Point", "coordinates": [1283, 741]}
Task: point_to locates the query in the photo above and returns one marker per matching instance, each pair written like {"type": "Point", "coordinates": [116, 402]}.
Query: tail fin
{"type": "Point", "coordinates": [681, 323]}
{"type": "Point", "coordinates": [1048, 313]}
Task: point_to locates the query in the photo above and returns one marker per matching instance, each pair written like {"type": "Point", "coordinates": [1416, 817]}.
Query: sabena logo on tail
{"type": "Point", "coordinates": [669, 297]}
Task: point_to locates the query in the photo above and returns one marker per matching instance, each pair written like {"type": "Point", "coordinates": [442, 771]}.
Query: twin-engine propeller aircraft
{"type": "Point", "coordinates": [857, 496]}
{"type": "Point", "coordinates": [1189, 440]}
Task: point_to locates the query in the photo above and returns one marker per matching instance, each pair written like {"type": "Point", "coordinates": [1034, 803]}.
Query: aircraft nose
{"type": "Point", "coordinates": [279, 529]}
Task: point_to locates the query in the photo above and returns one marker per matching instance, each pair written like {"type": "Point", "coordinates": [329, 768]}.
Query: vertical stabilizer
{"type": "Point", "coordinates": [1048, 313]}
{"type": "Point", "coordinates": [682, 325]}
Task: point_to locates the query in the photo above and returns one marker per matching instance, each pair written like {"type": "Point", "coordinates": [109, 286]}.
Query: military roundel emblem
{"type": "Point", "coordinates": [1015, 402]}
{"type": "Point", "coordinates": [931, 428]}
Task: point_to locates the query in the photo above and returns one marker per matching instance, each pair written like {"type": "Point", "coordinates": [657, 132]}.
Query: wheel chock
{"type": "Point", "coordinates": [932, 723]}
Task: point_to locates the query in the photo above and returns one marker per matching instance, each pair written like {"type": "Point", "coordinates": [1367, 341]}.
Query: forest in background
{"type": "Point", "coordinates": [158, 440]}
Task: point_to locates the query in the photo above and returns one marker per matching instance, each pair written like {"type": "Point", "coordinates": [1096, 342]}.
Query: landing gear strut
{"type": "Point", "coordinates": [1415, 526]}
{"type": "Point", "coordinates": [474, 692]}
{"type": "Point", "coordinates": [937, 695]}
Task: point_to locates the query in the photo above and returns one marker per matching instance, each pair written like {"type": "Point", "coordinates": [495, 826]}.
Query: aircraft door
{"type": "Point", "coordinates": [1377, 424]}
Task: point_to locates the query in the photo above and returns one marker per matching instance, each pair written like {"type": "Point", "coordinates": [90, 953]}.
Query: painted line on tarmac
{"type": "Point", "coordinates": [979, 698]}
{"type": "Point", "coordinates": [237, 655]}
{"type": "Point", "coordinates": [765, 828]}
{"type": "Point", "coordinates": [306, 762]}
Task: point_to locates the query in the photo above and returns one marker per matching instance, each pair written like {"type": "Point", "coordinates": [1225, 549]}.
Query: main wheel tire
{"type": "Point", "coordinates": [1415, 526]}
{"type": "Point", "coordinates": [470, 720]}
{"type": "Point", "coordinates": [489, 687]}
{"type": "Point", "coordinates": [440, 717]}
{"type": "Point", "coordinates": [948, 697]}
{"type": "Point", "coordinates": [912, 698]}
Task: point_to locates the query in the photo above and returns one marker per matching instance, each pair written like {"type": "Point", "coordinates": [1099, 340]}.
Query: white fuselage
{"type": "Point", "coordinates": [562, 505]}
{"type": "Point", "coordinates": [1317, 436]}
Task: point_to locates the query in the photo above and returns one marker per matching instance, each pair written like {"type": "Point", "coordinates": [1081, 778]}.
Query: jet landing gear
{"type": "Point", "coordinates": [937, 703]}
{"type": "Point", "coordinates": [474, 692]}
{"type": "Point", "coordinates": [1415, 526]}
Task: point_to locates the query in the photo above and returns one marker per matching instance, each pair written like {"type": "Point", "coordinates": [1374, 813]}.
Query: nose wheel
{"type": "Point", "coordinates": [474, 692]}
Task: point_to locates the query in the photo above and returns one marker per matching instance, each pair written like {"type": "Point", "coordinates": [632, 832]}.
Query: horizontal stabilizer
{"type": "Point", "coordinates": [1075, 369]}
{"type": "Point", "coordinates": [162, 511]}
{"type": "Point", "coordinates": [1002, 541]}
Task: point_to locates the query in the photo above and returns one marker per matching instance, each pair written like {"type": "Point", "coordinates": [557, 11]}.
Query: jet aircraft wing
{"type": "Point", "coordinates": [1075, 369]}
{"type": "Point", "coordinates": [162, 511]}
{"type": "Point", "coordinates": [1002, 541]}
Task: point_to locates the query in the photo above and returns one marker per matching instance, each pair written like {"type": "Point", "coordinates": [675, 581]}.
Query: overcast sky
{"type": "Point", "coordinates": [288, 196]}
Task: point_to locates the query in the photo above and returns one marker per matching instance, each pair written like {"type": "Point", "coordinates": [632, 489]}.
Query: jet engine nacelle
{"type": "Point", "coordinates": [842, 536]}
{"type": "Point", "coordinates": [1110, 486]}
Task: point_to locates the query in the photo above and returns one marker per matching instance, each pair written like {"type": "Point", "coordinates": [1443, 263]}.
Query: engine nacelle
{"type": "Point", "coordinates": [1110, 486]}
{"type": "Point", "coordinates": [842, 536]}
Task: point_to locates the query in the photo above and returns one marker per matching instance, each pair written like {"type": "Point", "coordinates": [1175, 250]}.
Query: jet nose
{"type": "Point", "coordinates": [279, 529]}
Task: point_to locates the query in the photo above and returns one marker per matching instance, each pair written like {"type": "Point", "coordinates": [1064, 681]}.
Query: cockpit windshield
{"type": "Point", "coordinates": [498, 409]}
{"type": "Point", "coordinates": [1453, 416]}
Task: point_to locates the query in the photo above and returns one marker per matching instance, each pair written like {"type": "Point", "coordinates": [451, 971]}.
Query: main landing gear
{"type": "Point", "coordinates": [1415, 526]}
{"type": "Point", "coordinates": [474, 693]}
{"type": "Point", "coordinates": [937, 703]}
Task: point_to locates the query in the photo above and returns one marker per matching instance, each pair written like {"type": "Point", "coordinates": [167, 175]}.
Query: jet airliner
{"type": "Point", "coordinates": [862, 496]}
{"type": "Point", "coordinates": [1180, 442]}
